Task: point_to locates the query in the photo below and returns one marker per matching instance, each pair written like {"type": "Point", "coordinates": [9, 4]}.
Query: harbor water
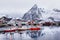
{"type": "Point", "coordinates": [47, 33]}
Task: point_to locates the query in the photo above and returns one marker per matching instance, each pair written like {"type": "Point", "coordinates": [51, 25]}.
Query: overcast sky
{"type": "Point", "coordinates": [22, 6]}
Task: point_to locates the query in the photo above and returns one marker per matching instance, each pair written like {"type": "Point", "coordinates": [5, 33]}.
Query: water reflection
{"type": "Point", "coordinates": [46, 34]}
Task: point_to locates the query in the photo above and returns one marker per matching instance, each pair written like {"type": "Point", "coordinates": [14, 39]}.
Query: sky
{"type": "Point", "coordinates": [19, 7]}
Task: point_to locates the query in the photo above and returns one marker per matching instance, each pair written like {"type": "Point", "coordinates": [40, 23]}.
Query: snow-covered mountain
{"type": "Point", "coordinates": [54, 13]}
{"type": "Point", "coordinates": [33, 14]}
{"type": "Point", "coordinates": [38, 13]}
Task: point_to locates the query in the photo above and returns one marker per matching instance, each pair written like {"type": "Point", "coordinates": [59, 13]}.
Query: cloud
{"type": "Point", "coordinates": [22, 6]}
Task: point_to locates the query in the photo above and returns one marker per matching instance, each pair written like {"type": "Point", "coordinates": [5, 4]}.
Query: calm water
{"type": "Point", "coordinates": [48, 33]}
